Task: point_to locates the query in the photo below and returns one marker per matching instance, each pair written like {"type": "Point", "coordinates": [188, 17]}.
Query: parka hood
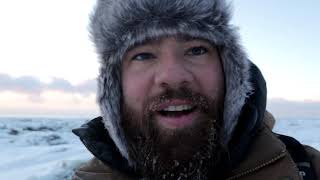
{"type": "Point", "coordinates": [117, 25]}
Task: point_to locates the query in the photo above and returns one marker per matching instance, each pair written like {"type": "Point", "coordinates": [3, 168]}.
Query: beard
{"type": "Point", "coordinates": [190, 152]}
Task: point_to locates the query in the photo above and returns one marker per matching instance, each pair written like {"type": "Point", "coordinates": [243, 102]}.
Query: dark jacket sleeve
{"type": "Point", "coordinates": [315, 159]}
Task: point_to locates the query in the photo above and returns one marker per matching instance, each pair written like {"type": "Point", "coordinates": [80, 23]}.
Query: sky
{"type": "Point", "coordinates": [48, 64]}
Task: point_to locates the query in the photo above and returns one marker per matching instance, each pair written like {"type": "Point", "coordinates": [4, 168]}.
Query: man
{"type": "Point", "coordinates": [179, 98]}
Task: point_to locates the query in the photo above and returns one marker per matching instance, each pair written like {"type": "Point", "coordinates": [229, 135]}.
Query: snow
{"type": "Point", "coordinates": [46, 149]}
{"type": "Point", "coordinates": [40, 148]}
{"type": "Point", "coordinates": [306, 131]}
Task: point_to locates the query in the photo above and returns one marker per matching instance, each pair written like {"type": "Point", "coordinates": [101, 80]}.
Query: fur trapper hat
{"type": "Point", "coordinates": [117, 25]}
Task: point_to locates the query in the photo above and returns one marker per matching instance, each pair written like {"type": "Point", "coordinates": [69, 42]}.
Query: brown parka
{"type": "Point", "coordinates": [267, 159]}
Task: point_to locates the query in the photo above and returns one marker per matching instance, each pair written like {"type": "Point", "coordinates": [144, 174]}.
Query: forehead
{"type": "Point", "coordinates": [156, 41]}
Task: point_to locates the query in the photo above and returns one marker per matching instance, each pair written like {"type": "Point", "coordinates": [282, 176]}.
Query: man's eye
{"type": "Point", "coordinates": [143, 56]}
{"type": "Point", "coordinates": [197, 51]}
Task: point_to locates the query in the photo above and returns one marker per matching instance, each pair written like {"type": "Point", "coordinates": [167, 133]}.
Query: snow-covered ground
{"type": "Point", "coordinates": [39, 149]}
{"type": "Point", "coordinates": [45, 148]}
{"type": "Point", "coordinates": [306, 131]}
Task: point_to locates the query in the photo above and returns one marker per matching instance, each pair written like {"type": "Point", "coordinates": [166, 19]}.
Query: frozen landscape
{"type": "Point", "coordinates": [39, 148]}
{"type": "Point", "coordinates": [46, 149]}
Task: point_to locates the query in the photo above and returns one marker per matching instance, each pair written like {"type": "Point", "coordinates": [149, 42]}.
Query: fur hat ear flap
{"type": "Point", "coordinates": [117, 25]}
{"type": "Point", "coordinates": [238, 86]}
{"type": "Point", "coordinates": [109, 99]}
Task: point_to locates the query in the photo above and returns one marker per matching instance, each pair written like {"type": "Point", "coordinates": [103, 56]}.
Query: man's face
{"type": "Point", "coordinates": [173, 92]}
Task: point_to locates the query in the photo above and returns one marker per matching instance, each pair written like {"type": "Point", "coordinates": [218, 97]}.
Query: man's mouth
{"type": "Point", "coordinates": [176, 114]}
{"type": "Point", "coordinates": [176, 111]}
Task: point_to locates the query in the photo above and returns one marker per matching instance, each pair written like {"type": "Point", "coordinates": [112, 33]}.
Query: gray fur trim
{"type": "Point", "coordinates": [118, 25]}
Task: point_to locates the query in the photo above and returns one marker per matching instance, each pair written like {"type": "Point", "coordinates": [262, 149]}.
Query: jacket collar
{"type": "Point", "coordinates": [264, 150]}
{"type": "Point", "coordinates": [96, 139]}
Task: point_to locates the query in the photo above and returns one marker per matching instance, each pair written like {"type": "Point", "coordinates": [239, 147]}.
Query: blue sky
{"type": "Point", "coordinates": [48, 64]}
{"type": "Point", "coordinates": [282, 38]}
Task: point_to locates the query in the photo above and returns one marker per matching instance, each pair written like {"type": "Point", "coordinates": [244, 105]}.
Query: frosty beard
{"type": "Point", "coordinates": [187, 153]}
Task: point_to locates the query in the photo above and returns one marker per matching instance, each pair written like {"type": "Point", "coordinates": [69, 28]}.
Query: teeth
{"type": "Point", "coordinates": [178, 108]}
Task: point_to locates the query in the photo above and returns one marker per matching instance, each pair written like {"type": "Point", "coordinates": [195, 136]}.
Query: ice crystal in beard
{"type": "Point", "coordinates": [154, 164]}
{"type": "Point", "coordinates": [188, 153]}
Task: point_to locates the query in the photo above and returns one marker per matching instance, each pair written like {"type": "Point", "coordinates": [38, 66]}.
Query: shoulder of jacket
{"type": "Point", "coordinates": [267, 158]}
{"type": "Point", "coordinates": [269, 120]}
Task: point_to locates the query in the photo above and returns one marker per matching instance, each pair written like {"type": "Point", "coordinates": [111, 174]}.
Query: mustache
{"type": "Point", "coordinates": [183, 93]}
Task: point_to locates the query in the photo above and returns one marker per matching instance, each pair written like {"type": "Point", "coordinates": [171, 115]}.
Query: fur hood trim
{"type": "Point", "coordinates": [118, 25]}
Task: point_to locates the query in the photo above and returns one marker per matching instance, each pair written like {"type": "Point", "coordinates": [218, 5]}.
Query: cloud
{"type": "Point", "coordinates": [63, 85]}
{"type": "Point", "coordinates": [25, 84]}
{"type": "Point", "coordinates": [87, 87]}
{"type": "Point", "coordinates": [34, 87]}
{"type": "Point", "coordinates": [286, 109]}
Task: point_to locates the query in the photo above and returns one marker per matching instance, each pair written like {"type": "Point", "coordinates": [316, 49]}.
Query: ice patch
{"type": "Point", "coordinates": [60, 171]}
{"type": "Point", "coordinates": [40, 149]}
{"type": "Point", "coordinates": [304, 130]}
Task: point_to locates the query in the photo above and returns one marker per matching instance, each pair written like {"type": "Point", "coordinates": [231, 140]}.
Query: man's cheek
{"type": "Point", "coordinates": [133, 100]}
{"type": "Point", "coordinates": [136, 97]}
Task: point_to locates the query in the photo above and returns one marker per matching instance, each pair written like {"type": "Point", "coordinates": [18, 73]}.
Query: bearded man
{"type": "Point", "coordinates": [179, 98]}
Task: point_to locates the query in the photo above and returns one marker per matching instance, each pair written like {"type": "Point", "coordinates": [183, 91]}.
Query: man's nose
{"type": "Point", "coordinates": [173, 72]}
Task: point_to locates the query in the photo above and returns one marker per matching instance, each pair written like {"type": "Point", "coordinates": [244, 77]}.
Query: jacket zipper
{"type": "Point", "coordinates": [258, 167]}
